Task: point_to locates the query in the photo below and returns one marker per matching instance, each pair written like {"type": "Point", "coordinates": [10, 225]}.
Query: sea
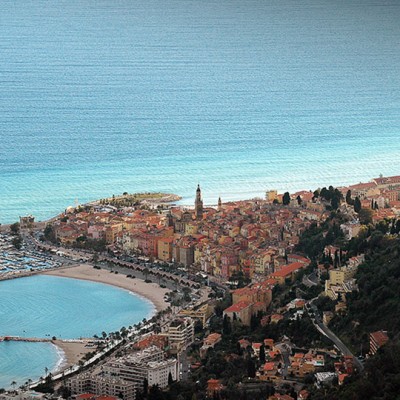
{"type": "Point", "coordinates": [101, 97]}
{"type": "Point", "coordinates": [46, 306]}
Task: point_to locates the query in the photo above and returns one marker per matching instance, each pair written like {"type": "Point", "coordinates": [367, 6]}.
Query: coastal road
{"type": "Point", "coordinates": [324, 330]}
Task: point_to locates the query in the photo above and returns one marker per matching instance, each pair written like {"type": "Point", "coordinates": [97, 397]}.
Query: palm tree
{"type": "Point", "coordinates": [146, 273]}
{"type": "Point", "coordinates": [13, 384]}
{"type": "Point", "coordinates": [95, 258]}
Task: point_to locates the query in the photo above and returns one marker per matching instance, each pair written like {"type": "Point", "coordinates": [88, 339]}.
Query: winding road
{"type": "Point", "coordinates": [324, 330]}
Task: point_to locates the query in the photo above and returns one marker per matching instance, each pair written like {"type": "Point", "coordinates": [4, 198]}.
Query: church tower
{"type": "Point", "coordinates": [219, 204]}
{"type": "Point", "coordinates": [198, 204]}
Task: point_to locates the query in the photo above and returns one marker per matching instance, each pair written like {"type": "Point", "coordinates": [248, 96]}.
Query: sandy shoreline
{"type": "Point", "coordinates": [74, 351]}
{"type": "Point", "coordinates": [150, 291]}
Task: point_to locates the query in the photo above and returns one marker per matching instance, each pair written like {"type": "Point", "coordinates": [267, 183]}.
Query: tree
{"type": "Point", "coordinates": [286, 199]}
{"type": "Point", "coordinates": [155, 393]}
{"type": "Point", "coordinates": [324, 193]}
{"type": "Point", "coordinates": [262, 354]}
{"type": "Point", "coordinates": [49, 233]}
{"type": "Point", "coordinates": [349, 200]}
{"type": "Point", "coordinates": [17, 242]}
{"type": "Point", "coordinates": [14, 228]}
{"type": "Point", "coordinates": [145, 386]}
{"type": "Point", "coordinates": [365, 216]}
{"type": "Point", "coordinates": [335, 203]}
{"type": "Point", "coordinates": [357, 205]}
{"type": "Point", "coordinates": [251, 368]}
{"type": "Point", "coordinates": [186, 294]}
{"type": "Point", "coordinates": [299, 200]}
{"type": "Point", "coordinates": [95, 258]}
{"type": "Point", "coordinates": [64, 392]}
{"type": "Point", "coordinates": [146, 272]}
{"type": "Point", "coordinates": [226, 325]}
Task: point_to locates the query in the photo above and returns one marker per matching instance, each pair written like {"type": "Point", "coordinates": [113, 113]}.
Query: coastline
{"type": "Point", "coordinates": [71, 351]}
{"type": "Point", "coordinates": [149, 291]}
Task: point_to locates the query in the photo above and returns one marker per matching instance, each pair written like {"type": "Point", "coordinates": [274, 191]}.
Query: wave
{"type": "Point", "coordinates": [62, 359]}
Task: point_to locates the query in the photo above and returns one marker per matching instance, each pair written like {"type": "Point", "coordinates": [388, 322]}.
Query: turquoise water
{"type": "Point", "coordinates": [21, 361]}
{"type": "Point", "coordinates": [42, 306]}
{"type": "Point", "coordinates": [100, 97]}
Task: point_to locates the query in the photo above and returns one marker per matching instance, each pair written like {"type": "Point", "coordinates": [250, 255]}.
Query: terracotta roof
{"type": "Point", "coordinates": [288, 269]}
{"type": "Point", "coordinates": [303, 395]}
{"type": "Point", "coordinates": [269, 366]}
{"type": "Point", "coordinates": [380, 337]}
{"type": "Point", "coordinates": [362, 186]}
{"type": "Point", "coordinates": [241, 305]}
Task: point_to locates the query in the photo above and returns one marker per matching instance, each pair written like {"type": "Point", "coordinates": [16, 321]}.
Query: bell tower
{"type": "Point", "coordinates": [198, 204]}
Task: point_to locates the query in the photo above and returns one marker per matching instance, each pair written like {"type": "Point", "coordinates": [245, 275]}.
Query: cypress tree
{"type": "Point", "coordinates": [262, 354]}
{"type": "Point", "coordinates": [349, 200]}
{"type": "Point", "coordinates": [286, 199]}
{"type": "Point", "coordinates": [357, 205]}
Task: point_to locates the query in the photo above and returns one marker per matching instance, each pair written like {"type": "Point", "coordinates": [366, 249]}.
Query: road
{"type": "Point", "coordinates": [285, 349]}
{"type": "Point", "coordinates": [324, 330]}
{"type": "Point", "coordinates": [310, 280]}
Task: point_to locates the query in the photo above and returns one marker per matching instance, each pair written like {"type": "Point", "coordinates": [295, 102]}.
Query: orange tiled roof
{"type": "Point", "coordinates": [241, 305]}
{"type": "Point", "coordinates": [288, 269]}
{"type": "Point", "coordinates": [269, 366]}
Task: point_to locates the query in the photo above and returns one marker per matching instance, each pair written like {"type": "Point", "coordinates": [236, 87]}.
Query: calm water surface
{"type": "Point", "coordinates": [100, 97]}
{"type": "Point", "coordinates": [46, 306]}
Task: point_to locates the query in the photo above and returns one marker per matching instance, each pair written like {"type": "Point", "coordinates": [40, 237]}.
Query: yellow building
{"type": "Point", "coordinates": [190, 229]}
{"type": "Point", "coordinates": [271, 195]}
{"type": "Point", "coordinates": [164, 249]}
{"type": "Point", "coordinates": [111, 232]}
{"type": "Point", "coordinates": [202, 313]}
{"type": "Point", "coordinates": [198, 254]}
{"type": "Point", "coordinates": [336, 277]}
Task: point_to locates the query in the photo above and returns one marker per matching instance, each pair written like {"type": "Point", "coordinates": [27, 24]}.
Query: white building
{"type": "Point", "coordinates": [147, 364]}
{"type": "Point", "coordinates": [101, 384]}
{"type": "Point", "coordinates": [158, 372]}
{"type": "Point", "coordinates": [180, 334]}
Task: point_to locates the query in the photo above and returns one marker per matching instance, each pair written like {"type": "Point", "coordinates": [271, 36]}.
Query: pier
{"type": "Point", "coordinates": [23, 339]}
{"type": "Point", "coordinates": [46, 340]}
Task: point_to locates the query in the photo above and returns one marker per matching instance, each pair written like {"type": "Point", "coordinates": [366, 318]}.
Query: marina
{"type": "Point", "coordinates": [20, 262]}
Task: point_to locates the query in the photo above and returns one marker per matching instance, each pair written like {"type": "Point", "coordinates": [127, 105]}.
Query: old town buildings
{"type": "Point", "coordinates": [255, 238]}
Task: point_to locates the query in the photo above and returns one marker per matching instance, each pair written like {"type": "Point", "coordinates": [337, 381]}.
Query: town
{"type": "Point", "coordinates": [257, 290]}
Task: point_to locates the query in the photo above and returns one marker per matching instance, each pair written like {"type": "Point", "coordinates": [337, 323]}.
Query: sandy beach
{"type": "Point", "coordinates": [74, 351]}
{"type": "Point", "coordinates": [150, 291]}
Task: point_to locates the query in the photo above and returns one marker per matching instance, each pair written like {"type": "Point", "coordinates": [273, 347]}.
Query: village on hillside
{"type": "Point", "coordinates": [272, 299]}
